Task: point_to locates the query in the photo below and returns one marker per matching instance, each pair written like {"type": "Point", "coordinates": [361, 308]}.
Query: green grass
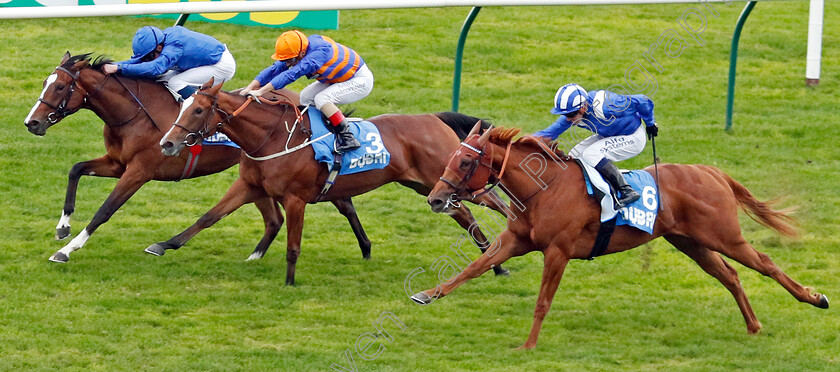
{"type": "Point", "coordinates": [114, 307]}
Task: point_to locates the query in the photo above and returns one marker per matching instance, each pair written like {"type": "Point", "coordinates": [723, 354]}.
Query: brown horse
{"type": "Point", "coordinates": [136, 113]}
{"type": "Point", "coordinates": [419, 147]}
{"type": "Point", "coordinates": [698, 216]}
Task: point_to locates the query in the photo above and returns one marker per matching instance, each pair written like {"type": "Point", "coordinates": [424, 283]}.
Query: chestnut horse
{"type": "Point", "coordinates": [419, 147]}
{"type": "Point", "coordinates": [136, 113]}
{"type": "Point", "coordinates": [698, 215]}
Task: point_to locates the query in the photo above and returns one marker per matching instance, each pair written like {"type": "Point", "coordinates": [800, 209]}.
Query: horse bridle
{"type": "Point", "coordinates": [478, 186]}
{"type": "Point", "coordinates": [60, 110]}
{"type": "Point", "coordinates": [198, 136]}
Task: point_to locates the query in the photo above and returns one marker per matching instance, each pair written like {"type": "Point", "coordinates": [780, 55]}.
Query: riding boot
{"type": "Point", "coordinates": [614, 177]}
{"type": "Point", "coordinates": [344, 138]}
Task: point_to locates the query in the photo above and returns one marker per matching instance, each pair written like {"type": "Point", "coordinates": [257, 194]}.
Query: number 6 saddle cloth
{"type": "Point", "coordinates": [640, 214]}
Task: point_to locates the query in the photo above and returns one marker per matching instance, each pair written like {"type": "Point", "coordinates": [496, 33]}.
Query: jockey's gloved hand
{"type": "Point", "coordinates": [652, 131]}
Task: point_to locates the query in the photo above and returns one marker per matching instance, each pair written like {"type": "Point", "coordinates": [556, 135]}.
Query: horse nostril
{"type": "Point", "coordinates": [435, 202]}
{"type": "Point", "coordinates": [167, 145]}
{"type": "Point", "coordinates": [33, 123]}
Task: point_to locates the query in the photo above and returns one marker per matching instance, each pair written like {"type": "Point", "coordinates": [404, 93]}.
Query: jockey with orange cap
{"type": "Point", "coordinates": [342, 77]}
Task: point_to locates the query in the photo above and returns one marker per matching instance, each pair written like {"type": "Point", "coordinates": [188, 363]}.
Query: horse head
{"type": "Point", "coordinates": [468, 171]}
{"type": "Point", "coordinates": [61, 97]}
{"type": "Point", "coordinates": [192, 124]}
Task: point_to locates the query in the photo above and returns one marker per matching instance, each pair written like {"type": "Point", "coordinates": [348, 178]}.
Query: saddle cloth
{"type": "Point", "coordinates": [371, 155]}
{"type": "Point", "coordinates": [219, 139]}
{"type": "Point", "coordinates": [640, 214]}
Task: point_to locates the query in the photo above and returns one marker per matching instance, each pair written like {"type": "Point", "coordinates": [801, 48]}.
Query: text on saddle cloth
{"type": "Point", "coordinates": [371, 155]}
{"type": "Point", "coordinates": [640, 214]}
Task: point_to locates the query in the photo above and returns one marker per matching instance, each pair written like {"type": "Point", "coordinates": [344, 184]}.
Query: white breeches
{"type": "Point", "coordinates": [352, 90]}
{"type": "Point", "coordinates": [222, 71]}
{"type": "Point", "coordinates": [616, 148]}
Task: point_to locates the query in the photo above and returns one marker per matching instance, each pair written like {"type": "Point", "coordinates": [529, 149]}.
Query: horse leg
{"type": "Point", "coordinates": [273, 217]}
{"type": "Point", "coordinates": [553, 268]}
{"type": "Point", "coordinates": [745, 254]}
{"type": "Point", "coordinates": [239, 194]}
{"type": "Point", "coordinates": [505, 247]}
{"type": "Point", "coordinates": [467, 221]}
{"type": "Point", "coordinates": [346, 208]}
{"type": "Point", "coordinates": [128, 184]}
{"type": "Point", "coordinates": [715, 266]}
{"type": "Point", "coordinates": [295, 208]}
{"type": "Point", "coordinates": [102, 167]}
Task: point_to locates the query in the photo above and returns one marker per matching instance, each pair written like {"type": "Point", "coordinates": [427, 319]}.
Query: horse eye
{"type": "Point", "coordinates": [198, 110]}
{"type": "Point", "coordinates": [465, 163]}
{"type": "Point", "coordinates": [59, 87]}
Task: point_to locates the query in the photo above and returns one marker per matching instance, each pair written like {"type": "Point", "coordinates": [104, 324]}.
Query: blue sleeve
{"type": "Point", "coordinates": [169, 55]}
{"type": "Point", "coordinates": [309, 64]}
{"type": "Point", "coordinates": [270, 72]}
{"type": "Point", "coordinates": [644, 108]}
{"type": "Point", "coordinates": [554, 130]}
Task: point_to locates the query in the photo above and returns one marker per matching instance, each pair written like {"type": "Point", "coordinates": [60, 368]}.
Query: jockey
{"type": "Point", "coordinates": [616, 121]}
{"type": "Point", "coordinates": [181, 58]}
{"type": "Point", "coordinates": [342, 77]}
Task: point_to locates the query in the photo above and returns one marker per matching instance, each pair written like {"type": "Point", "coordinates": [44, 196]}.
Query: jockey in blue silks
{"type": "Point", "coordinates": [617, 122]}
{"type": "Point", "coordinates": [341, 73]}
{"type": "Point", "coordinates": [181, 58]}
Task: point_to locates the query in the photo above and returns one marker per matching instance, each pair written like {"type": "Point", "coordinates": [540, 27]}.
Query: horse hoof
{"type": "Point", "coordinates": [59, 257]}
{"type": "Point", "coordinates": [155, 249]}
{"type": "Point", "coordinates": [62, 233]}
{"type": "Point", "coordinates": [501, 271]}
{"type": "Point", "coordinates": [823, 302]}
{"type": "Point", "coordinates": [421, 298]}
{"type": "Point", "coordinates": [255, 256]}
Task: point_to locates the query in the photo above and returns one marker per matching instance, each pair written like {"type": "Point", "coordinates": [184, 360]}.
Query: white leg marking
{"type": "Point", "coordinates": [64, 221]}
{"type": "Point", "coordinates": [50, 80]}
{"type": "Point", "coordinates": [76, 243]}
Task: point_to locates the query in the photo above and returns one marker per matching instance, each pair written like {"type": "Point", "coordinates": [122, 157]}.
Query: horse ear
{"type": "Point", "coordinates": [484, 137]}
{"type": "Point", "coordinates": [476, 128]}
{"type": "Point", "coordinates": [64, 58]}
{"type": "Point", "coordinates": [215, 89]}
{"type": "Point", "coordinates": [209, 83]}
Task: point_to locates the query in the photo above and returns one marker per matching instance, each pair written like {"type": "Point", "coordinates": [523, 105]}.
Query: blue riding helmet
{"type": "Point", "coordinates": [569, 98]}
{"type": "Point", "coordinates": [146, 40]}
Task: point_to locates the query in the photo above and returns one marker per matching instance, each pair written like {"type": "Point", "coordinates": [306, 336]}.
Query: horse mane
{"type": "Point", "coordinates": [95, 62]}
{"type": "Point", "coordinates": [502, 136]}
{"type": "Point", "coordinates": [462, 124]}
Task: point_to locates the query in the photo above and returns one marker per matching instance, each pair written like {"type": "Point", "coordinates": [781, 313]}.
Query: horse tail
{"type": "Point", "coordinates": [462, 124]}
{"type": "Point", "coordinates": [761, 212]}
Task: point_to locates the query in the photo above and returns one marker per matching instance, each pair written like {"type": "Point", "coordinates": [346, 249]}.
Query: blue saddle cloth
{"type": "Point", "coordinates": [640, 214]}
{"type": "Point", "coordinates": [371, 155]}
{"type": "Point", "coordinates": [219, 139]}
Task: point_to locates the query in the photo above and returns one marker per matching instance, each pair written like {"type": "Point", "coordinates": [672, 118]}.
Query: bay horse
{"type": "Point", "coordinates": [419, 147]}
{"type": "Point", "coordinates": [698, 215]}
{"type": "Point", "coordinates": [136, 113]}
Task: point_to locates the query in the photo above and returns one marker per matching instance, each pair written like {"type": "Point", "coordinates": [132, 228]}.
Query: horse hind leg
{"type": "Point", "coordinates": [346, 208]}
{"type": "Point", "coordinates": [715, 266]}
{"type": "Point", "coordinates": [748, 256]}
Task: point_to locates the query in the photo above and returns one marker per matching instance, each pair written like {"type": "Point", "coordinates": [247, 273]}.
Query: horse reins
{"type": "Point", "coordinates": [455, 198]}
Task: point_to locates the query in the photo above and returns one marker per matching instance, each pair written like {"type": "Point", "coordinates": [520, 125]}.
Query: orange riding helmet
{"type": "Point", "coordinates": [290, 44]}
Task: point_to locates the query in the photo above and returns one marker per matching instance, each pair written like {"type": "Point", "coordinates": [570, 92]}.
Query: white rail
{"type": "Point", "coordinates": [285, 5]}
